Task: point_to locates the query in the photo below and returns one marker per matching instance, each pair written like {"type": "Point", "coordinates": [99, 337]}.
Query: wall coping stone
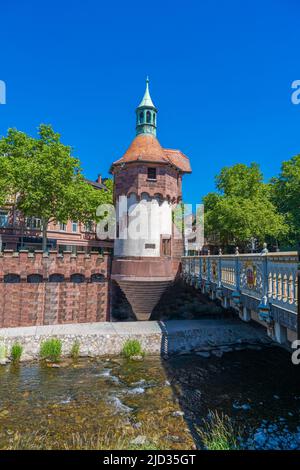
{"type": "Point", "coordinates": [156, 337]}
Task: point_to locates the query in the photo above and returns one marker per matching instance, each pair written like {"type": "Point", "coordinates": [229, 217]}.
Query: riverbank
{"type": "Point", "coordinates": [156, 337]}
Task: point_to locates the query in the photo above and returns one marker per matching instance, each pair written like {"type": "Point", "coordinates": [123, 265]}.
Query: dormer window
{"type": "Point", "coordinates": [151, 174]}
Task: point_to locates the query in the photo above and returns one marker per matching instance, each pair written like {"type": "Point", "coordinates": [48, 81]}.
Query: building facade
{"type": "Point", "coordinates": [147, 187]}
{"type": "Point", "coordinates": [24, 233]}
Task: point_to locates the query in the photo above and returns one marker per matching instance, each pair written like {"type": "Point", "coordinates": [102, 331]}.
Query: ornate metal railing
{"type": "Point", "coordinates": [265, 282]}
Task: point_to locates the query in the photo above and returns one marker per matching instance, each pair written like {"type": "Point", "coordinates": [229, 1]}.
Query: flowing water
{"type": "Point", "coordinates": [111, 403]}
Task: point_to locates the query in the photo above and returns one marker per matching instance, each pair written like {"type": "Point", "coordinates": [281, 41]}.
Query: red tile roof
{"type": "Point", "coordinates": [146, 148]}
{"type": "Point", "coordinates": [178, 159]}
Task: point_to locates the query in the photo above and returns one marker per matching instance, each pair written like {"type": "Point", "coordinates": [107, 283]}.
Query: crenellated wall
{"type": "Point", "coordinates": [49, 288]}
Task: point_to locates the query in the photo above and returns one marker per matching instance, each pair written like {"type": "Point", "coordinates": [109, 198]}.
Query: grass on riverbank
{"type": "Point", "coordinates": [78, 441]}
{"type": "Point", "coordinates": [131, 348]}
{"type": "Point", "coordinates": [3, 351]}
{"type": "Point", "coordinates": [16, 352]}
{"type": "Point", "coordinates": [219, 433]}
{"type": "Point", "coordinates": [75, 350]}
{"type": "Point", "coordinates": [51, 349]}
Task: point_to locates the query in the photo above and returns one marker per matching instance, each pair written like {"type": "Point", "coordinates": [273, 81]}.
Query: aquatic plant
{"type": "Point", "coordinates": [51, 349]}
{"type": "Point", "coordinates": [77, 441]}
{"type": "Point", "coordinates": [16, 352]}
{"type": "Point", "coordinates": [30, 441]}
{"type": "Point", "coordinates": [218, 433]}
{"type": "Point", "coordinates": [132, 347]}
{"type": "Point", "coordinates": [108, 441]}
{"type": "Point", "coordinates": [75, 349]}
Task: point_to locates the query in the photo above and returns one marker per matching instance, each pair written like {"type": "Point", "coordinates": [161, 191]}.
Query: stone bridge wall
{"type": "Point", "coordinates": [48, 288]}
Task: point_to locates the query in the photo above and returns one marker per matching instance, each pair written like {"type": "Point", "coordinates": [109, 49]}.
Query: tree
{"type": "Point", "coordinates": [5, 182]}
{"type": "Point", "coordinates": [242, 208]}
{"type": "Point", "coordinates": [46, 178]}
{"type": "Point", "coordinates": [285, 192]}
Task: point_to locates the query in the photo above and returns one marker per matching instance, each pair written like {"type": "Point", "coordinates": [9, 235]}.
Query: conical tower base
{"type": "Point", "coordinates": [143, 296]}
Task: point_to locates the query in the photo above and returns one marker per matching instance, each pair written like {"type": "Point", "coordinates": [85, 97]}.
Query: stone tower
{"type": "Point", "coordinates": [147, 185]}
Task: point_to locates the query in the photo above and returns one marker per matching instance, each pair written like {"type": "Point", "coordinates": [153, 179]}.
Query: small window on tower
{"type": "Point", "coordinates": [141, 116]}
{"type": "Point", "coordinates": [148, 117]}
{"type": "Point", "coordinates": [151, 173]}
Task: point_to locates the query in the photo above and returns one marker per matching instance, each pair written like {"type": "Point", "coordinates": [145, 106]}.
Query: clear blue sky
{"type": "Point", "coordinates": [220, 75]}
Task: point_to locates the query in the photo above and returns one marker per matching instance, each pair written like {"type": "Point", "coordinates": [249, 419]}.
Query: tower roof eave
{"type": "Point", "coordinates": [145, 148]}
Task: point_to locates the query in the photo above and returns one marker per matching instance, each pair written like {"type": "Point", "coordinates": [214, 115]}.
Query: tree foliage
{"type": "Point", "coordinates": [46, 179]}
{"type": "Point", "coordinates": [242, 208]}
{"type": "Point", "coordinates": [285, 192]}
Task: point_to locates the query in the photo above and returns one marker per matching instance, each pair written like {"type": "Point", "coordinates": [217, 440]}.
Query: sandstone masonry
{"type": "Point", "coordinates": [50, 288]}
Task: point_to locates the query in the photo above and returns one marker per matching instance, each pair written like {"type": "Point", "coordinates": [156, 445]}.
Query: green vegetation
{"type": "Point", "coordinates": [132, 347]}
{"type": "Point", "coordinates": [218, 433]}
{"type": "Point", "coordinates": [16, 352]}
{"type": "Point", "coordinates": [75, 349]}
{"type": "Point", "coordinates": [285, 192]}
{"type": "Point", "coordinates": [51, 349]}
{"type": "Point", "coordinates": [45, 180]}
{"type": "Point", "coordinates": [106, 442]}
{"type": "Point", "coordinates": [3, 351]}
{"type": "Point", "coordinates": [77, 441]}
{"type": "Point", "coordinates": [243, 208]}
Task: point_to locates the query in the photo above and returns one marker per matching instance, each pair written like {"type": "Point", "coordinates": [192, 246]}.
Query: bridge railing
{"type": "Point", "coordinates": [265, 282]}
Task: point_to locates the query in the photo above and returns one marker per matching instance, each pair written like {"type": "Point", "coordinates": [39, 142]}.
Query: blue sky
{"type": "Point", "coordinates": [220, 75]}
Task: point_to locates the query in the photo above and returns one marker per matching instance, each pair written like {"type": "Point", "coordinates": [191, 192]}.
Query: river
{"type": "Point", "coordinates": [155, 403]}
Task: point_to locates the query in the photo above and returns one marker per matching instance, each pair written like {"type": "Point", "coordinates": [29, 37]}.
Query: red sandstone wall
{"type": "Point", "coordinates": [134, 179]}
{"type": "Point", "coordinates": [43, 303]}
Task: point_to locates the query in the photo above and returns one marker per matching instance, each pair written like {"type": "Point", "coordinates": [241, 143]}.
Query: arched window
{"type": "Point", "coordinates": [141, 116]}
{"type": "Point", "coordinates": [148, 117]}
{"type": "Point", "coordinates": [131, 200]}
{"type": "Point", "coordinates": [97, 277]}
{"type": "Point", "coordinates": [145, 197]}
{"type": "Point", "coordinates": [158, 197]}
{"type": "Point", "coordinates": [12, 278]}
{"type": "Point", "coordinates": [34, 278]}
{"type": "Point", "coordinates": [154, 118]}
{"type": "Point", "coordinates": [78, 278]}
{"type": "Point", "coordinates": [56, 278]}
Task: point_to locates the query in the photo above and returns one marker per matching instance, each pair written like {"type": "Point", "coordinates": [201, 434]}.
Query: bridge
{"type": "Point", "coordinates": [261, 287]}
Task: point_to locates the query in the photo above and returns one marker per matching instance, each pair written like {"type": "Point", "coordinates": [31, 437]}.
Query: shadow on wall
{"type": "Point", "coordinates": [178, 302]}
{"type": "Point", "coordinates": [120, 309]}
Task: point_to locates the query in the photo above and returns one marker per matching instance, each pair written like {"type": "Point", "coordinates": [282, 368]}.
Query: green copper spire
{"type": "Point", "coordinates": [146, 114]}
{"type": "Point", "coordinates": [147, 101]}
